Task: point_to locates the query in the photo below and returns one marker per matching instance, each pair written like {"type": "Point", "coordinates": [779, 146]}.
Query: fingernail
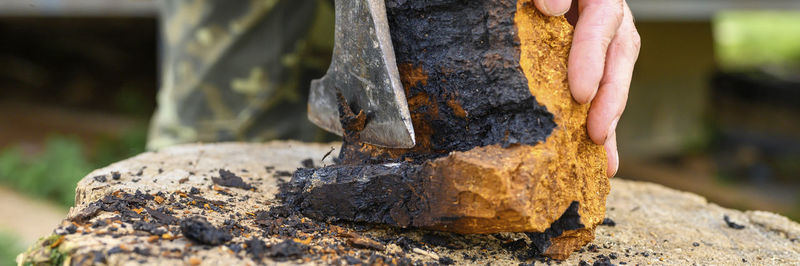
{"type": "Point", "coordinates": [612, 153]}
{"type": "Point", "coordinates": [591, 97]}
{"type": "Point", "coordinates": [556, 7]}
{"type": "Point", "coordinates": [616, 163]}
{"type": "Point", "coordinates": [612, 128]}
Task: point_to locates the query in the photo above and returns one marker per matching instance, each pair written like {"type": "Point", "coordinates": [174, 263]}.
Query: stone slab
{"type": "Point", "coordinates": [654, 224]}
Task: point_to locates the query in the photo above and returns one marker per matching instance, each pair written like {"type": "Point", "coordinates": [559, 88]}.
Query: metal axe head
{"type": "Point", "coordinates": [363, 70]}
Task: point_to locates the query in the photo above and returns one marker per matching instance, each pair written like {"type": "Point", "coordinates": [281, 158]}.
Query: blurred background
{"type": "Point", "coordinates": [714, 107]}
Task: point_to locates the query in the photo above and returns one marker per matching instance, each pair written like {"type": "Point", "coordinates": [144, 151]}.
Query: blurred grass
{"type": "Point", "coordinates": [9, 248]}
{"type": "Point", "coordinates": [746, 39]}
{"type": "Point", "coordinates": [53, 174]}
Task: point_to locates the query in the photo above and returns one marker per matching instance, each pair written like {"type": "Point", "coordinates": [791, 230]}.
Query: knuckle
{"type": "Point", "coordinates": [616, 11]}
{"type": "Point", "coordinates": [593, 2]}
{"type": "Point", "coordinates": [636, 41]}
{"type": "Point", "coordinates": [612, 8]}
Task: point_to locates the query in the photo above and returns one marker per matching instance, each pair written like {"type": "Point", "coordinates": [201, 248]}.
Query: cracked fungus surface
{"type": "Point", "coordinates": [502, 183]}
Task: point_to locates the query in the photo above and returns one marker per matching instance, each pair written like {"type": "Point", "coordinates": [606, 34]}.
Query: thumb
{"type": "Point", "coordinates": [553, 7]}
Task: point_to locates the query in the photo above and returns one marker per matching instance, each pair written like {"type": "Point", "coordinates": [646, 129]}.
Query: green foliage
{"type": "Point", "coordinates": [54, 173]}
{"type": "Point", "coordinates": [9, 248]}
{"type": "Point", "coordinates": [746, 39]}
{"type": "Point", "coordinates": [57, 257]}
{"type": "Point", "coordinates": [43, 252]}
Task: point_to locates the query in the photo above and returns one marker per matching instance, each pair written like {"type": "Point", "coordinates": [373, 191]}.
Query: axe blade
{"type": "Point", "coordinates": [364, 71]}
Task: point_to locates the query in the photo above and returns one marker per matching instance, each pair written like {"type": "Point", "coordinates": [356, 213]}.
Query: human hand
{"type": "Point", "coordinates": [605, 47]}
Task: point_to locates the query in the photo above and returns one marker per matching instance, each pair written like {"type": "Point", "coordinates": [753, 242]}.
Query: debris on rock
{"type": "Point", "coordinates": [121, 223]}
{"type": "Point", "coordinates": [308, 163]}
{"type": "Point", "coordinates": [360, 241]}
{"type": "Point", "coordinates": [100, 178]}
{"type": "Point", "coordinates": [199, 230]}
{"type": "Point", "coordinates": [288, 249]}
{"type": "Point", "coordinates": [608, 222]}
{"type": "Point", "coordinates": [229, 179]}
{"type": "Point", "coordinates": [732, 224]}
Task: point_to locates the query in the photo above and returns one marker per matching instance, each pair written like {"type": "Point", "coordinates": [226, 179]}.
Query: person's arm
{"type": "Point", "coordinates": [604, 49]}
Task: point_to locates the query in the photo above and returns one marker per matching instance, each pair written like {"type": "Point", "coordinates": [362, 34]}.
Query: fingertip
{"type": "Point", "coordinates": [597, 130]}
{"type": "Point", "coordinates": [583, 77]}
{"type": "Point", "coordinates": [612, 154]}
{"type": "Point", "coordinates": [553, 7]}
{"type": "Point", "coordinates": [581, 93]}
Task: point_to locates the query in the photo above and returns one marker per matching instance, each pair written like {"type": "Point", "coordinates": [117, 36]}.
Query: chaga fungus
{"type": "Point", "coordinates": [501, 145]}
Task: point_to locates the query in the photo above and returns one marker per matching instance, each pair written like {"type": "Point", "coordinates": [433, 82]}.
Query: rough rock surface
{"type": "Point", "coordinates": [652, 224]}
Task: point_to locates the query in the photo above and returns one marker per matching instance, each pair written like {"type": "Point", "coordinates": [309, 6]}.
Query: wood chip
{"type": "Point", "coordinates": [303, 241]}
{"type": "Point", "coordinates": [360, 241]}
{"type": "Point", "coordinates": [426, 253]}
{"type": "Point", "coordinates": [57, 242]}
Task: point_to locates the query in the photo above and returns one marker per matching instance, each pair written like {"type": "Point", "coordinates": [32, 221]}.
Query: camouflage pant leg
{"type": "Point", "coordinates": [239, 70]}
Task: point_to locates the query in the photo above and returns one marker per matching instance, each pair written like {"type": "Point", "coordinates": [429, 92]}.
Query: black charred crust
{"type": "Point", "coordinates": [384, 194]}
{"type": "Point", "coordinates": [570, 220]}
{"type": "Point", "coordinates": [470, 52]}
{"type": "Point", "coordinates": [201, 231]}
{"type": "Point", "coordinates": [477, 95]}
{"type": "Point", "coordinates": [390, 195]}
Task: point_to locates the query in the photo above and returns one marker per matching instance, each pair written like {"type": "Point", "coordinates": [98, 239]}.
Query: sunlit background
{"type": "Point", "coordinates": [714, 107]}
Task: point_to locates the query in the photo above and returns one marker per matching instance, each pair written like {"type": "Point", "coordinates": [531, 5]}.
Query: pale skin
{"type": "Point", "coordinates": [605, 47]}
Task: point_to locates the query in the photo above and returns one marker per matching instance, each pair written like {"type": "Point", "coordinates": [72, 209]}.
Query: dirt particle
{"type": "Point", "coordinates": [732, 224]}
{"type": "Point", "coordinates": [602, 260]}
{"type": "Point", "coordinates": [87, 213]}
{"type": "Point", "coordinates": [229, 179]}
{"type": "Point", "coordinates": [352, 260]}
{"type": "Point", "coordinates": [608, 222]}
{"type": "Point", "coordinates": [161, 216]}
{"type": "Point", "coordinates": [515, 245]}
{"type": "Point", "coordinates": [100, 178]}
{"type": "Point", "coordinates": [201, 231]}
{"type": "Point", "coordinates": [71, 229]}
{"type": "Point", "coordinates": [57, 242]}
{"type": "Point", "coordinates": [288, 249]}
{"type": "Point", "coordinates": [360, 241]}
{"type": "Point", "coordinates": [446, 260]}
{"type": "Point", "coordinates": [327, 154]}
{"type": "Point", "coordinates": [256, 248]}
{"type": "Point", "coordinates": [308, 163]}
{"type": "Point", "coordinates": [115, 250]}
{"type": "Point", "coordinates": [283, 173]}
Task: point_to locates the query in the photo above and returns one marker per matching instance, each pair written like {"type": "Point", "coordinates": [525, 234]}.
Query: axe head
{"type": "Point", "coordinates": [364, 72]}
